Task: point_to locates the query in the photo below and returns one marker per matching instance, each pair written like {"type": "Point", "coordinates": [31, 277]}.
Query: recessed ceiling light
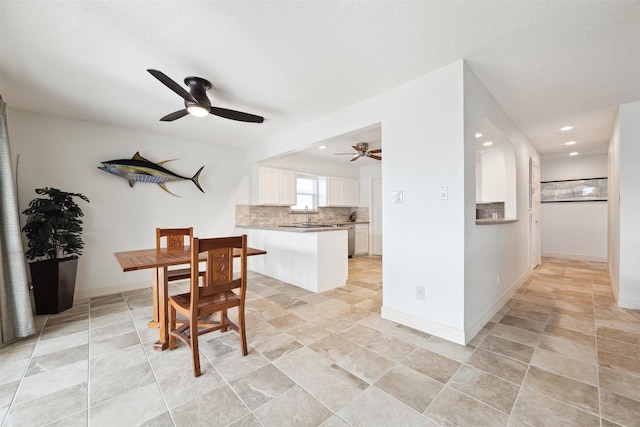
{"type": "Point", "coordinates": [569, 143]}
{"type": "Point", "coordinates": [569, 127]}
{"type": "Point", "coordinates": [573, 153]}
{"type": "Point", "coordinates": [322, 147]}
{"type": "Point", "coordinates": [488, 143]}
{"type": "Point", "coordinates": [478, 135]}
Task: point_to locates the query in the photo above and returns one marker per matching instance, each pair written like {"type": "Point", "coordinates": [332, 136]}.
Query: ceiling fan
{"type": "Point", "coordinates": [196, 101]}
{"type": "Point", "coordinates": [362, 150]}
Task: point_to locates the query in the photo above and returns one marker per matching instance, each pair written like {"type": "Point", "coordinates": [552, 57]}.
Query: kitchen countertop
{"type": "Point", "coordinates": [492, 221]}
{"type": "Point", "coordinates": [289, 228]}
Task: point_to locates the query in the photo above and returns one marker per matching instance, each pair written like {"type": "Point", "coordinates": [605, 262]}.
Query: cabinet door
{"type": "Point", "coordinates": [287, 187]}
{"type": "Point", "coordinates": [350, 191]}
{"type": "Point", "coordinates": [269, 186]}
{"type": "Point", "coordinates": [362, 240]}
{"type": "Point", "coordinates": [335, 191]}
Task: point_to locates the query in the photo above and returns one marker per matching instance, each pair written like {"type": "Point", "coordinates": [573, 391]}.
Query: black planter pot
{"type": "Point", "coordinates": [54, 282]}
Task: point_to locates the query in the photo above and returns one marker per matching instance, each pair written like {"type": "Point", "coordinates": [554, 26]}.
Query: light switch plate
{"type": "Point", "coordinates": [444, 193]}
{"type": "Point", "coordinates": [396, 197]}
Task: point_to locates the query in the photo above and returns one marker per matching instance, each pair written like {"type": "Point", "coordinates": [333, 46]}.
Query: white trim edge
{"type": "Point", "coordinates": [98, 292]}
{"type": "Point", "coordinates": [575, 257]}
{"type": "Point", "coordinates": [474, 327]}
{"type": "Point", "coordinates": [433, 328]}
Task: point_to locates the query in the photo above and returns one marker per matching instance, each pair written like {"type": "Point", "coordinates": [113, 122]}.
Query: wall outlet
{"type": "Point", "coordinates": [420, 293]}
{"type": "Point", "coordinates": [498, 279]}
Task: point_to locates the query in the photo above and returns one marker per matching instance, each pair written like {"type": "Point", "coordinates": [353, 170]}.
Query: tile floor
{"type": "Point", "coordinates": [560, 353]}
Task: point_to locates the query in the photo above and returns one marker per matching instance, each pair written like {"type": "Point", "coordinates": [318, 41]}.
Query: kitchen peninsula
{"type": "Point", "coordinates": [313, 256]}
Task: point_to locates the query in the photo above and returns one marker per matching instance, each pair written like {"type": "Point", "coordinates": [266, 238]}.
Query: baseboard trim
{"type": "Point", "coordinates": [629, 303]}
{"type": "Point", "coordinates": [574, 257]}
{"type": "Point", "coordinates": [474, 327]}
{"type": "Point", "coordinates": [98, 292]}
{"type": "Point", "coordinates": [433, 328]}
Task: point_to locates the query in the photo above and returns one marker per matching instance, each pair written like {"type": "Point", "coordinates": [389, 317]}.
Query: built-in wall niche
{"type": "Point", "coordinates": [495, 169]}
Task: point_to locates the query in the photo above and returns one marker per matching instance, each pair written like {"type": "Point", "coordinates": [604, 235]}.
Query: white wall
{"type": "Point", "coordinates": [65, 154]}
{"type": "Point", "coordinates": [570, 229]}
{"type": "Point", "coordinates": [496, 256]}
{"type": "Point", "coordinates": [427, 145]}
{"type": "Point", "coordinates": [628, 279]}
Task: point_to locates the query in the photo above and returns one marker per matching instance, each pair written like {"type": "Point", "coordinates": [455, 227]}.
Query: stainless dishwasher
{"type": "Point", "coordinates": [351, 248]}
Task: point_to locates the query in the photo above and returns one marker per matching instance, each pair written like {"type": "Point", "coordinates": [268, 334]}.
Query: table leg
{"type": "Point", "coordinates": [163, 296]}
{"type": "Point", "coordinates": [154, 289]}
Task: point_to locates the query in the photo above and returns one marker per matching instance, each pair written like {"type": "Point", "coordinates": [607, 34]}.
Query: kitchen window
{"type": "Point", "coordinates": [307, 193]}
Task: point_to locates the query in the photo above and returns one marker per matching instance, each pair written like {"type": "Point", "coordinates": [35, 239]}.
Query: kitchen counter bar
{"type": "Point", "coordinates": [310, 258]}
{"type": "Point", "coordinates": [494, 221]}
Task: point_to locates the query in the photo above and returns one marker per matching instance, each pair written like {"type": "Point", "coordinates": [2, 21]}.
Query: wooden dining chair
{"type": "Point", "coordinates": [176, 238]}
{"type": "Point", "coordinates": [216, 295]}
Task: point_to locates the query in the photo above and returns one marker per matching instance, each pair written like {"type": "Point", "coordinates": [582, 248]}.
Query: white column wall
{"type": "Point", "coordinates": [422, 134]}
{"type": "Point", "coordinates": [629, 279]}
{"type": "Point", "coordinates": [496, 256]}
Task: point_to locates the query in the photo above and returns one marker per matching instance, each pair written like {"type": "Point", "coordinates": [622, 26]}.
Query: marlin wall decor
{"type": "Point", "coordinates": [139, 169]}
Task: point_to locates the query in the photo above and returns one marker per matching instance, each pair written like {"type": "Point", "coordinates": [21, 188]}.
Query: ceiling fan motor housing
{"type": "Point", "coordinates": [198, 88]}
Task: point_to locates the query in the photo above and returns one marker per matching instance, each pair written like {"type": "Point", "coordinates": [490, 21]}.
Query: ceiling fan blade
{"type": "Point", "coordinates": [356, 157]}
{"type": "Point", "coordinates": [164, 79]}
{"type": "Point", "coordinates": [343, 154]}
{"type": "Point", "coordinates": [379, 150]}
{"type": "Point", "coordinates": [236, 115]}
{"type": "Point", "coordinates": [175, 115]}
{"type": "Point", "coordinates": [373, 156]}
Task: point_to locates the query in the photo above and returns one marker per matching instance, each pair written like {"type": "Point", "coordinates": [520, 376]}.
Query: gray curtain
{"type": "Point", "coordinates": [16, 316]}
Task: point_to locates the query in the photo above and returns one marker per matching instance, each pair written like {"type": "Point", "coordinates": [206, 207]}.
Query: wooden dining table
{"type": "Point", "coordinates": [159, 260]}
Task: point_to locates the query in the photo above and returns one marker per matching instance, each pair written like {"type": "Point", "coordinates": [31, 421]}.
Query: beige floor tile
{"type": "Point", "coordinates": [569, 348]}
{"type": "Point", "coordinates": [454, 408]}
{"type": "Point", "coordinates": [620, 383]}
{"type": "Point", "coordinates": [49, 407]}
{"type": "Point", "coordinates": [262, 385]}
{"type": "Point", "coordinates": [220, 407]}
{"type": "Point", "coordinates": [410, 387]}
{"type": "Point", "coordinates": [508, 348]}
{"type": "Point", "coordinates": [620, 409]}
{"type": "Point", "coordinates": [375, 408]}
{"type": "Point", "coordinates": [284, 410]}
{"type": "Point", "coordinates": [518, 335]}
{"type": "Point", "coordinates": [489, 389]}
{"type": "Point", "coordinates": [619, 363]}
{"type": "Point", "coordinates": [312, 355]}
{"type": "Point", "coordinates": [432, 364]}
{"type": "Point", "coordinates": [499, 365]}
{"type": "Point", "coordinates": [533, 408]}
{"type": "Point", "coordinates": [365, 364]}
{"type": "Point", "coordinates": [560, 364]}
{"type": "Point", "coordinates": [564, 389]}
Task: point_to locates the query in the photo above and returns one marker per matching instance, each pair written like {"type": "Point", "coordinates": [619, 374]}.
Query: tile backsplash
{"type": "Point", "coordinates": [486, 210]}
{"type": "Point", "coordinates": [255, 215]}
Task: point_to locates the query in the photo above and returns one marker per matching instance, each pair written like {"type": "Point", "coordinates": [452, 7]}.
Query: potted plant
{"type": "Point", "coordinates": [54, 234]}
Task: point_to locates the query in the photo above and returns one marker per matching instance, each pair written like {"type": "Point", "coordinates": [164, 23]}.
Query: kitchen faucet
{"type": "Point", "coordinates": [306, 212]}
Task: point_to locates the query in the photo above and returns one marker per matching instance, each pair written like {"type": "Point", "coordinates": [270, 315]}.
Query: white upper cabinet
{"type": "Point", "coordinates": [276, 187]}
{"type": "Point", "coordinates": [341, 192]}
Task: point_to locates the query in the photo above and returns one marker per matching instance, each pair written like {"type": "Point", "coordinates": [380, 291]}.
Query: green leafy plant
{"type": "Point", "coordinates": [54, 227]}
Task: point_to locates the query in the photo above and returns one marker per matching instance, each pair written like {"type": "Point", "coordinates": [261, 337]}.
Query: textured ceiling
{"type": "Point", "coordinates": [548, 63]}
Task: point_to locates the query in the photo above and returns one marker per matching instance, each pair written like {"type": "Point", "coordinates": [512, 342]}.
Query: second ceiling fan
{"type": "Point", "coordinates": [196, 101]}
{"type": "Point", "coordinates": [362, 150]}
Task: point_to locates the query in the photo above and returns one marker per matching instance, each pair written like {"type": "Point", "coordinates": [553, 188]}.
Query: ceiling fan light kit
{"type": "Point", "coordinates": [196, 101]}
{"type": "Point", "coordinates": [362, 150]}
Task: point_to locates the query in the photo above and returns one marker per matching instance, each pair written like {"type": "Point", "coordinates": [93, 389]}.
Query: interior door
{"type": "Point", "coordinates": [376, 216]}
{"type": "Point", "coordinates": [534, 214]}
